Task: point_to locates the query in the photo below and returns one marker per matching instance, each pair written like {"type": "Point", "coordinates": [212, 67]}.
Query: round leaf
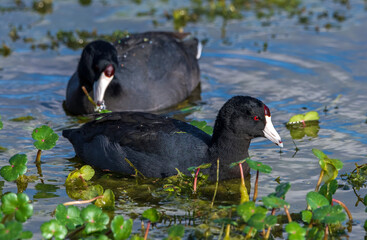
{"type": "Point", "coordinates": [53, 228]}
{"type": "Point", "coordinates": [257, 221]}
{"type": "Point", "coordinates": [246, 210]}
{"type": "Point", "coordinates": [336, 163]}
{"type": "Point", "coordinates": [312, 116]}
{"type": "Point", "coordinates": [151, 214]}
{"type": "Point", "coordinates": [295, 231]}
{"type": "Point", "coordinates": [296, 119]}
{"type": "Point", "coordinates": [318, 153]}
{"type": "Point", "coordinates": [258, 166]}
{"type": "Point", "coordinates": [121, 228]}
{"type": "Point", "coordinates": [306, 216]}
{"type": "Point", "coordinates": [96, 220]}
{"type": "Point", "coordinates": [69, 217]}
{"type": "Point", "coordinates": [274, 202]}
{"type": "Point", "coordinates": [330, 214]}
{"type": "Point", "coordinates": [108, 200]}
{"type": "Point", "coordinates": [87, 172]}
{"type": "Point", "coordinates": [282, 189]}
{"type": "Point", "coordinates": [17, 167]}
{"type": "Point", "coordinates": [330, 173]}
{"type": "Point", "coordinates": [176, 231]}
{"type": "Point", "coordinates": [18, 204]}
{"type": "Point", "coordinates": [45, 138]}
{"type": "Point", "coordinates": [270, 220]}
{"type": "Point", "coordinates": [11, 230]}
{"type": "Point", "coordinates": [316, 200]}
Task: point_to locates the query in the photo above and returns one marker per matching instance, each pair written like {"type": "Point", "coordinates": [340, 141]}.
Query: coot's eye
{"type": "Point", "coordinates": [256, 118]}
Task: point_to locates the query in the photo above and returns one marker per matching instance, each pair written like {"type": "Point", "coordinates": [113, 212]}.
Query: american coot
{"type": "Point", "coordinates": [142, 72]}
{"type": "Point", "coordinates": [156, 145]}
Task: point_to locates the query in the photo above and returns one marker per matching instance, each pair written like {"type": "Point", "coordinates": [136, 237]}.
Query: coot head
{"type": "Point", "coordinates": [97, 67]}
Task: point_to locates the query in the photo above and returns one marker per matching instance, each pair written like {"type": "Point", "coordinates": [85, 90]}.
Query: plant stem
{"type": "Point", "coordinates": [88, 96]}
{"type": "Point", "coordinates": [248, 235]}
{"type": "Point", "coordinates": [39, 171]}
{"type": "Point", "coordinates": [228, 231]}
{"type": "Point", "coordinates": [319, 181]}
{"type": "Point", "coordinates": [326, 234]}
{"type": "Point", "coordinates": [345, 208]}
{"type": "Point", "coordinates": [196, 179]}
{"type": "Point", "coordinates": [269, 229]}
{"type": "Point", "coordinates": [242, 177]}
{"type": "Point", "coordinates": [38, 158]}
{"type": "Point", "coordinates": [146, 232]}
{"type": "Point", "coordinates": [81, 202]}
{"type": "Point", "coordinates": [216, 184]}
{"type": "Point", "coordinates": [256, 186]}
{"type": "Point", "coordinates": [288, 215]}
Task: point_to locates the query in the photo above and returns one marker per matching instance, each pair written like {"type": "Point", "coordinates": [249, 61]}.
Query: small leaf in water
{"type": "Point", "coordinates": [121, 228]}
{"type": "Point", "coordinates": [108, 200]}
{"type": "Point", "coordinates": [319, 154]}
{"type": "Point", "coordinates": [18, 204]}
{"type": "Point", "coordinates": [45, 138]}
{"type": "Point", "coordinates": [316, 200]}
{"type": "Point", "coordinates": [22, 119]}
{"type": "Point", "coordinates": [3, 149]}
{"type": "Point", "coordinates": [306, 216]}
{"type": "Point", "coordinates": [1, 123]}
{"type": "Point", "coordinates": [257, 221]}
{"type": "Point", "coordinates": [296, 118]}
{"type": "Point", "coordinates": [234, 164]}
{"type": "Point", "coordinates": [18, 166]}
{"type": "Point", "coordinates": [176, 231]}
{"type": "Point", "coordinates": [53, 228]}
{"type": "Point", "coordinates": [87, 172]}
{"type": "Point", "coordinates": [151, 214]}
{"type": "Point", "coordinates": [330, 214]}
{"type": "Point", "coordinates": [69, 217]}
{"type": "Point", "coordinates": [312, 116]}
{"type": "Point", "coordinates": [95, 219]}
{"type": "Point", "coordinates": [295, 231]}
{"type": "Point", "coordinates": [11, 230]}
{"type": "Point", "coordinates": [259, 166]}
{"type": "Point", "coordinates": [246, 210]}
{"type": "Point", "coordinates": [274, 202]}
{"type": "Point", "coordinates": [202, 166]}
{"type": "Point", "coordinates": [281, 190]}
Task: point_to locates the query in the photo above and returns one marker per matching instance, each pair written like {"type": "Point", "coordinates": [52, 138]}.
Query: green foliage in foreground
{"type": "Point", "coordinates": [250, 219]}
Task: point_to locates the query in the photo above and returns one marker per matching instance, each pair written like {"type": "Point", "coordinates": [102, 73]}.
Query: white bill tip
{"type": "Point", "coordinates": [270, 132]}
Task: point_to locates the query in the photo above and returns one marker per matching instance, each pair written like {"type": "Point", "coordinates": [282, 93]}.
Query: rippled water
{"type": "Point", "coordinates": [301, 70]}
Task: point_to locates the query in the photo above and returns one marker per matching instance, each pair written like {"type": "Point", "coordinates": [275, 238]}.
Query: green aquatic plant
{"type": "Point", "coordinates": [17, 167]}
{"type": "Point", "coordinates": [152, 215]}
{"type": "Point", "coordinates": [121, 228]}
{"type": "Point", "coordinates": [45, 139]}
{"type": "Point", "coordinates": [1, 123]}
{"type": "Point", "coordinates": [302, 125]}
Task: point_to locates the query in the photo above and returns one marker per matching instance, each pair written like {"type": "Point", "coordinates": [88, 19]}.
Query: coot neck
{"type": "Point", "coordinates": [228, 148]}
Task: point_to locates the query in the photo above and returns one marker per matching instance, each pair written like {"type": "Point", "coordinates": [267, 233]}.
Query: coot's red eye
{"type": "Point", "coordinates": [256, 118]}
{"type": "Point", "coordinates": [266, 111]}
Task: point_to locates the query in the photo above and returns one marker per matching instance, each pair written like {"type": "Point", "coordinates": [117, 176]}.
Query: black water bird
{"type": "Point", "coordinates": [157, 145]}
{"type": "Point", "coordinates": [141, 72]}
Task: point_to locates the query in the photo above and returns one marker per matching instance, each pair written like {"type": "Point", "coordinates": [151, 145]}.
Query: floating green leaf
{"type": "Point", "coordinates": [176, 232]}
{"type": "Point", "coordinates": [330, 214]}
{"type": "Point", "coordinates": [310, 116]}
{"type": "Point", "coordinates": [78, 176]}
{"type": "Point", "coordinates": [17, 167]}
{"type": "Point", "coordinates": [316, 200]}
{"type": "Point", "coordinates": [306, 216]}
{"type": "Point", "coordinates": [121, 228]}
{"type": "Point", "coordinates": [281, 190]}
{"type": "Point", "coordinates": [151, 214]}
{"type": "Point", "coordinates": [91, 192]}
{"type": "Point", "coordinates": [319, 154]}
{"type": "Point", "coordinates": [246, 210]}
{"type": "Point", "coordinates": [274, 202]}
{"type": "Point", "coordinates": [18, 204]}
{"type": "Point", "coordinates": [108, 200]}
{"type": "Point", "coordinates": [96, 220]}
{"type": "Point", "coordinates": [257, 221]}
{"type": "Point", "coordinates": [270, 220]}
{"type": "Point", "coordinates": [258, 166]}
{"type": "Point", "coordinates": [45, 138]}
{"type": "Point", "coordinates": [69, 217]}
{"type": "Point", "coordinates": [295, 231]}
{"type": "Point", "coordinates": [1, 123]}
{"type": "Point", "coordinates": [10, 230]}
{"type": "Point", "coordinates": [202, 125]}
{"type": "Point", "coordinates": [53, 229]}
